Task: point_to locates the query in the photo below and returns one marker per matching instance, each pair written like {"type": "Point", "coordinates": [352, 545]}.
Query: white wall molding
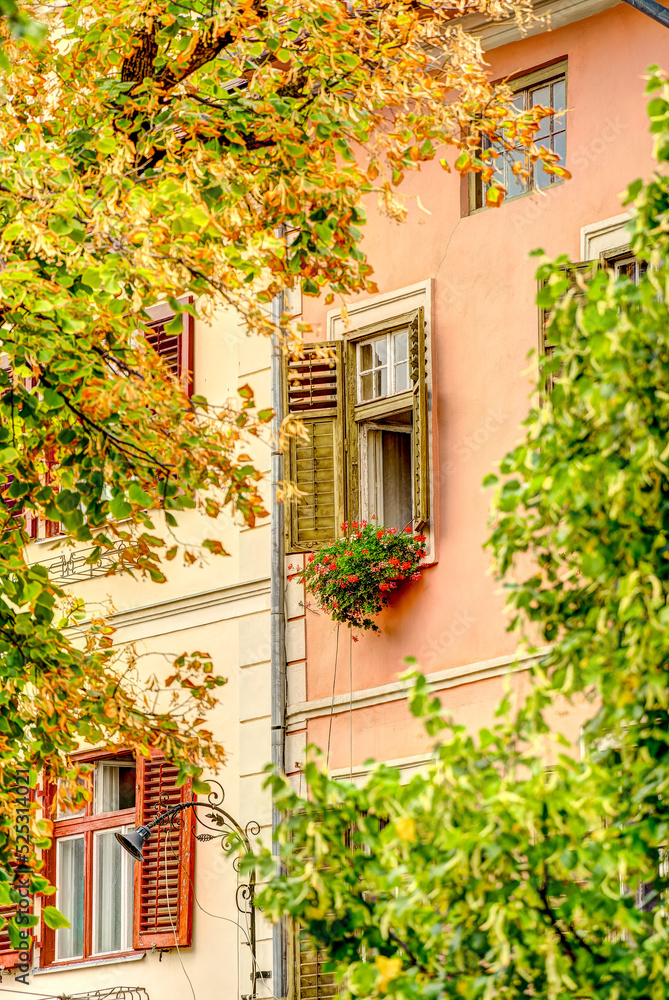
{"type": "Point", "coordinates": [297, 715]}
{"type": "Point", "coordinates": [203, 608]}
{"type": "Point", "coordinates": [608, 234]}
{"type": "Point", "coordinates": [407, 766]}
{"type": "Point", "coordinates": [380, 307]}
{"type": "Point", "coordinates": [552, 14]}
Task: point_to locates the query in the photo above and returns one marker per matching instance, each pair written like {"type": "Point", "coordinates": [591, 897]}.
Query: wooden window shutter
{"type": "Point", "coordinates": [164, 882]}
{"type": "Point", "coordinates": [310, 982]}
{"type": "Point", "coordinates": [352, 438]}
{"type": "Point", "coordinates": [421, 435]}
{"type": "Point", "coordinates": [546, 349]}
{"type": "Point", "coordinates": [312, 387]}
{"type": "Point", "coordinates": [175, 349]}
{"type": "Point", "coordinates": [9, 956]}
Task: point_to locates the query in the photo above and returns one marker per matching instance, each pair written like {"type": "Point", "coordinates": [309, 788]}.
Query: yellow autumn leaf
{"type": "Point", "coordinates": [406, 828]}
{"type": "Point", "coordinates": [388, 968]}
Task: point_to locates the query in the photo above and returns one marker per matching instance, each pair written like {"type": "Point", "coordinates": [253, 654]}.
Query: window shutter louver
{"type": "Point", "coordinates": [175, 349]}
{"type": "Point", "coordinates": [312, 384]}
{"type": "Point", "coordinates": [9, 956]}
{"type": "Point", "coordinates": [310, 981]}
{"type": "Point", "coordinates": [354, 506]}
{"type": "Point", "coordinates": [164, 882]}
{"type": "Point", "coordinates": [420, 436]}
{"type": "Point", "coordinates": [546, 349]}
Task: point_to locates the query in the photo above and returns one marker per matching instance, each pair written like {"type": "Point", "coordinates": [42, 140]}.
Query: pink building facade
{"type": "Point", "coordinates": [466, 271]}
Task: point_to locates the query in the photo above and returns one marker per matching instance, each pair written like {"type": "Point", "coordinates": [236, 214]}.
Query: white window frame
{"type": "Point", "coordinates": [387, 307]}
{"type": "Point", "coordinates": [127, 896]}
{"type": "Point", "coordinates": [391, 366]}
{"type": "Point", "coordinates": [59, 896]}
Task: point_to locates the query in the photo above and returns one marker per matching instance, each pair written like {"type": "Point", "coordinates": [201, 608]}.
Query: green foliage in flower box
{"type": "Point", "coordinates": [353, 579]}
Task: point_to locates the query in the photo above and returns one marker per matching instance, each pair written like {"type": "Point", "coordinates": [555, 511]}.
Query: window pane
{"type": "Point", "coordinates": [366, 388]}
{"type": "Point", "coordinates": [61, 811]}
{"type": "Point", "coordinates": [401, 344]}
{"type": "Point", "coordinates": [380, 347]}
{"type": "Point", "coordinates": [559, 97]}
{"type": "Point", "coordinates": [560, 145]}
{"type": "Point", "coordinates": [402, 377]}
{"type": "Point", "coordinates": [380, 382]}
{"type": "Point", "coordinates": [365, 357]}
{"type": "Point", "coordinates": [542, 95]}
{"type": "Point", "coordinates": [544, 129]}
{"type": "Point", "coordinates": [396, 458]}
{"type": "Point", "coordinates": [114, 787]}
{"type": "Point", "coordinates": [112, 895]}
{"type": "Point", "coordinates": [70, 897]}
{"type": "Point", "coordinates": [514, 184]}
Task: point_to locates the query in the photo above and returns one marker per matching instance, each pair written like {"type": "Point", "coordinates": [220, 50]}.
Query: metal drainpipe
{"type": "Point", "coordinates": [277, 632]}
{"type": "Point", "coordinates": [652, 9]}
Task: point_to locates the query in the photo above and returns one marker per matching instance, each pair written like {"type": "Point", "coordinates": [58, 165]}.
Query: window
{"type": "Point", "coordinates": [621, 261]}
{"type": "Point", "coordinates": [113, 904]}
{"type": "Point", "coordinates": [624, 264]}
{"type": "Point", "coordinates": [364, 405]}
{"type": "Point", "coordinates": [546, 87]}
{"type": "Point", "coordinates": [176, 349]}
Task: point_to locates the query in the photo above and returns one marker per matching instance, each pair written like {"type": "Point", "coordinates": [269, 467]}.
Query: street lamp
{"type": "Point", "coordinates": [231, 834]}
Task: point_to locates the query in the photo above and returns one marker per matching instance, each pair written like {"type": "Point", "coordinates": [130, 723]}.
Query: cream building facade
{"type": "Point", "coordinates": [181, 926]}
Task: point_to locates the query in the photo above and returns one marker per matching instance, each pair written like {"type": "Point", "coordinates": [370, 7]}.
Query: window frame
{"type": "Point", "coordinates": [87, 825]}
{"type": "Point", "coordinates": [156, 790]}
{"type": "Point", "coordinates": [361, 416]}
{"type": "Point", "coordinates": [540, 76]}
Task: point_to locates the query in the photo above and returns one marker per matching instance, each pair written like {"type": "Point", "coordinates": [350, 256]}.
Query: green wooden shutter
{"type": "Point", "coordinates": [313, 393]}
{"type": "Point", "coordinates": [352, 449]}
{"type": "Point", "coordinates": [309, 981]}
{"type": "Point", "coordinates": [573, 272]}
{"type": "Point", "coordinates": [420, 437]}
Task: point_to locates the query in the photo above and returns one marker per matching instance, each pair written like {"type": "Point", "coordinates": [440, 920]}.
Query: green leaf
{"type": "Point", "coordinates": [120, 508]}
{"type": "Point", "coordinates": [53, 918]}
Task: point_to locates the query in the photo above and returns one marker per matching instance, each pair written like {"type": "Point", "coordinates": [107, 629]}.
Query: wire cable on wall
{"type": "Point", "coordinates": [334, 681]}
{"type": "Point", "coordinates": [172, 925]}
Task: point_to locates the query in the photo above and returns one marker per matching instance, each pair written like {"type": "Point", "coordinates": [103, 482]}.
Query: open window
{"type": "Point", "coordinates": [363, 402]}
{"type": "Point", "coordinates": [115, 905]}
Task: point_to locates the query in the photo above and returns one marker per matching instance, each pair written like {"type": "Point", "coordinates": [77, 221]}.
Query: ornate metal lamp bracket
{"type": "Point", "coordinates": [217, 824]}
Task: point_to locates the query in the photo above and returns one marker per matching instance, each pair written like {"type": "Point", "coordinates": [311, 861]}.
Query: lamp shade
{"type": "Point", "coordinates": [134, 842]}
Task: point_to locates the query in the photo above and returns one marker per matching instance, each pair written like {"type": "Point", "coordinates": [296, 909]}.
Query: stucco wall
{"type": "Point", "coordinates": [484, 324]}
{"type": "Point", "coordinates": [221, 606]}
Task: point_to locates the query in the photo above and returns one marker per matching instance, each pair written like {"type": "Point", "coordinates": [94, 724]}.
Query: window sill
{"type": "Point", "coordinates": [516, 197]}
{"type": "Point", "coordinates": [132, 956]}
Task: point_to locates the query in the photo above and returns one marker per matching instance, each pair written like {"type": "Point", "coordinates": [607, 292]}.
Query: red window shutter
{"type": "Point", "coordinates": [175, 349]}
{"type": "Point", "coordinates": [16, 507]}
{"type": "Point", "coordinates": [164, 882]}
{"type": "Point", "coordinates": [51, 528]}
{"type": "Point", "coordinates": [11, 957]}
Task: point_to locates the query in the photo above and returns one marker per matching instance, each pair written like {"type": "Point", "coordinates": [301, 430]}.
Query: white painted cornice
{"type": "Point", "coordinates": [552, 14]}
{"type": "Point", "coordinates": [193, 610]}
